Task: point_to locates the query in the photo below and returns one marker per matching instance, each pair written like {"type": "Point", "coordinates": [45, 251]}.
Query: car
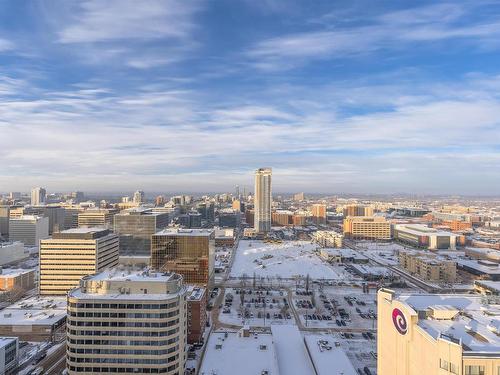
{"type": "Point", "coordinates": [338, 322]}
{"type": "Point", "coordinates": [343, 322]}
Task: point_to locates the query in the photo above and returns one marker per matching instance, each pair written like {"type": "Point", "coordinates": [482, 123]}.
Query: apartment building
{"type": "Point", "coordinates": [328, 238]}
{"type": "Point", "coordinates": [319, 213]}
{"type": "Point", "coordinates": [196, 313]}
{"type": "Point", "coordinates": [16, 279]}
{"type": "Point", "coordinates": [357, 210]}
{"type": "Point", "coordinates": [436, 334]}
{"type": "Point", "coordinates": [428, 266]}
{"type": "Point", "coordinates": [74, 253]}
{"type": "Point", "coordinates": [123, 322]}
{"type": "Point", "coordinates": [189, 252]}
{"type": "Point", "coordinates": [373, 227]}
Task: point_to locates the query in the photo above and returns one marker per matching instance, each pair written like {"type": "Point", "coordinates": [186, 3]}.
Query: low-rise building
{"type": "Point", "coordinates": [334, 255]}
{"type": "Point", "coordinates": [12, 252]}
{"type": "Point", "coordinates": [428, 266]}
{"type": "Point", "coordinates": [35, 319]}
{"type": "Point", "coordinates": [16, 279]}
{"type": "Point", "coordinates": [436, 334]}
{"type": "Point", "coordinates": [423, 236]}
{"type": "Point", "coordinates": [328, 238]}
{"type": "Point", "coordinates": [483, 269]}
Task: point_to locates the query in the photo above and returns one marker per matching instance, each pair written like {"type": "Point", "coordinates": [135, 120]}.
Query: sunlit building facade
{"type": "Point", "coordinates": [262, 200]}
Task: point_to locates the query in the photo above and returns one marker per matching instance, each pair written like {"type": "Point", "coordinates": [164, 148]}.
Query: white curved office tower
{"type": "Point", "coordinates": [127, 323]}
{"type": "Point", "coordinates": [263, 200]}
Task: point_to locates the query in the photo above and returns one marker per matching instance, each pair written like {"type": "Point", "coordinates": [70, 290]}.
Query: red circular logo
{"type": "Point", "coordinates": [399, 321]}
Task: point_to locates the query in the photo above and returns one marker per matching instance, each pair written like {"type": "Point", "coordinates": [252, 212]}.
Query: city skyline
{"type": "Point", "coordinates": [351, 97]}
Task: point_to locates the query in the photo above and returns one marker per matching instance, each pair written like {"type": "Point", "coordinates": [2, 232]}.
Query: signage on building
{"type": "Point", "coordinates": [399, 321]}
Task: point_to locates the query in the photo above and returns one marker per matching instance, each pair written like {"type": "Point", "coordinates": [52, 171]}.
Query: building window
{"type": "Point", "coordinates": [474, 370]}
{"type": "Point", "coordinates": [453, 368]}
{"type": "Point", "coordinates": [444, 364]}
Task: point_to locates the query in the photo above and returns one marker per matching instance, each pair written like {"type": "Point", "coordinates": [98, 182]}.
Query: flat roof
{"type": "Point", "coordinates": [492, 269]}
{"type": "Point", "coordinates": [226, 352]}
{"type": "Point", "coordinates": [195, 293]}
{"type": "Point", "coordinates": [126, 275]}
{"type": "Point", "coordinates": [4, 341]}
{"type": "Point", "coordinates": [34, 311]}
{"type": "Point", "coordinates": [292, 355]}
{"type": "Point", "coordinates": [13, 272]}
{"type": "Point", "coordinates": [184, 232]}
{"type": "Point", "coordinates": [474, 326]}
{"type": "Point", "coordinates": [422, 230]}
{"type": "Point", "coordinates": [328, 358]}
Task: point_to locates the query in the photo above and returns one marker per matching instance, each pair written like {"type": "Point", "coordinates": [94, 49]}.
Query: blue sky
{"type": "Point", "coordinates": [336, 96]}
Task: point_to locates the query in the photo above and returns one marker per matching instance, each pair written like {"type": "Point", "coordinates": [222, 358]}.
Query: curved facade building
{"type": "Point", "coordinates": [120, 322]}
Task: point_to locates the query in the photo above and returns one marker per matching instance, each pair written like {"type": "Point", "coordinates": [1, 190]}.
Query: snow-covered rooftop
{"type": "Point", "coordinates": [328, 359]}
{"type": "Point", "coordinates": [34, 311]}
{"type": "Point", "coordinates": [292, 355]}
{"type": "Point", "coordinates": [184, 232]}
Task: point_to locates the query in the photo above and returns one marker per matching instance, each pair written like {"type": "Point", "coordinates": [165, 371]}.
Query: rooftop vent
{"type": "Point", "coordinates": [443, 312]}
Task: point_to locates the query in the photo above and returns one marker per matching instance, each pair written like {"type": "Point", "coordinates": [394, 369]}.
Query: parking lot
{"type": "Point", "coordinates": [255, 307]}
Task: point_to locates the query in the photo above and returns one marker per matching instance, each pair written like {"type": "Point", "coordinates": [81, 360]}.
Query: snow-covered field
{"type": "Point", "coordinates": [286, 260]}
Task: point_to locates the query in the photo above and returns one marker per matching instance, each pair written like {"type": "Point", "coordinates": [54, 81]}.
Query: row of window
{"type": "Point", "coordinates": [124, 342]}
{"type": "Point", "coordinates": [122, 351]}
{"type": "Point", "coordinates": [123, 315]}
{"type": "Point", "coordinates": [469, 370]}
{"type": "Point", "coordinates": [134, 361]}
{"type": "Point", "coordinates": [130, 306]}
{"type": "Point", "coordinates": [88, 370]}
{"type": "Point", "coordinates": [124, 333]}
{"type": "Point", "coordinates": [78, 323]}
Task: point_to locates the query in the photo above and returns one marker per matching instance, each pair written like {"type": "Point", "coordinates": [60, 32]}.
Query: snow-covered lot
{"type": "Point", "coordinates": [286, 260]}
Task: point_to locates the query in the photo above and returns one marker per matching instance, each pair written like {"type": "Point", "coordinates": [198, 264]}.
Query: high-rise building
{"type": "Point", "coordinates": [262, 200]}
{"type": "Point", "coordinates": [139, 197]}
{"type": "Point", "coordinates": [74, 253]}
{"type": "Point", "coordinates": [197, 313]}
{"type": "Point", "coordinates": [38, 196]}
{"type": "Point", "coordinates": [135, 227]}
{"type": "Point", "coordinates": [121, 322]}
{"type": "Point", "coordinates": [4, 221]}
{"type": "Point", "coordinates": [189, 252]}
{"type": "Point", "coordinates": [229, 218]}
{"type": "Point", "coordinates": [319, 213]}
{"type": "Point", "coordinates": [361, 227]}
{"type": "Point", "coordinates": [160, 200]}
{"type": "Point", "coordinates": [95, 217]}
{"type": "Point", "coordinates": [55, 213]}
{"type": "Point", "coordinates": [436, 334]}
{"type": "Point", "coordinates": [29, 229]}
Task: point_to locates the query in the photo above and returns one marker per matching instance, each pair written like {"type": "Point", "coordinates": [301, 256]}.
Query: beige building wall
{"type": "Point", "coordinates": [362, 227]}
{"type": "Point", "coordinates": [416, 352]}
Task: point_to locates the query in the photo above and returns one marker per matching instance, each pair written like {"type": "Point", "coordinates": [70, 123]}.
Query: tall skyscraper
{"type": "Point", "coordinates": [74, 253]}
{"type": "Point", "coordinates": [263, 200]}
{"type": "Point", "coordinates": [38, 196]}
{"type": "Point", "coordinates": [122, 322]}
{"type": "Point", "coordinates": [4, 221]}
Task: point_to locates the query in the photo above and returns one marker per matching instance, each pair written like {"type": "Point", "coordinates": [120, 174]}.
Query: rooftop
{"type": "Point", "coordinates": [82, 233]}
{"type": "Point", "coordinates": [420, 229]}
{"type": "Point", "coordinates": [13, 272]}
{"type": "Point", "coordinates": [328, 358]}
{"type": "Point", "coordinates": [34, 311]}
{"type": "Point", "coordinates": [475, 325]}
{"type": "Point", "coordinates": [252, 355]}
{"type": "Point", "coordinates": [184, 232]}
{"type": "Point", "coordinates": [4, 341]}
{"type": "Point", "coordinates": [292, 355]}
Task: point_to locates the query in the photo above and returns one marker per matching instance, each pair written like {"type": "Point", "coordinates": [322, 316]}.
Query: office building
{"type": "Point", "coordinates": [55, 213]}
{"type": "Point", "coordinates": [160, 201]}
{"type": "Point", "coordinates": [38, 196]}
{"type": "Point", "coordinates": [138, 197]}
{"type": "Point", "coordinates": [12, 279]}
{"type": "Point", "coordinates": [319, 213]}
{"type": "Point", "coordinates": [9, 353]}
{"type": "Point", "coordinates": [428, 266]}
{"type": "Point", "coordinates": [435, 334]}
{"type": "Point", "coordinates": [262, 200]}
{"type": "Point", "coordinates": [4, 222]}
{"type": "Point", "coordinates": [135, 227]}
{"type": "Point", "coordinates": [229, 218]}
{"type": "Point", "coordinates": [424, 236]}
{"type": "Point", "coordinates": [374, 227]}
{"type": "Point", "coordinates": [29, 229]}
{"type": "Point", "coordinates": [189, 252]}
{"type": "Point", "coordinates": [74, 253]}
{"type": "Point", "coordinates": [96, 217]}
{"type": "Point", "coordinates": [196, 314]}
{"type": "Point", "coordinates": [206, 210]}
{"type": "Point", "coordinates": [121, 322]}
{"type": "Point", "coordinates": [357, 210]}
{"type": "Point", "coordinates": [12, 252]}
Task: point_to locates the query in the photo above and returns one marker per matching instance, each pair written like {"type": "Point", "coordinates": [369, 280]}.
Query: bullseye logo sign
{"type": "Point", "coordinates": [399, 321]}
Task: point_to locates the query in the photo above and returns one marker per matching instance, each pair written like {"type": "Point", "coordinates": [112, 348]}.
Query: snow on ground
{"type": "Point", "coordinates": [382, 252]}
{"type": "Point", "coordinates": [286, 260]}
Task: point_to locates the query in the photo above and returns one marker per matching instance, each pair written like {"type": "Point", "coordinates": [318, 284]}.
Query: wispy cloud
{"type": "Point", "coordinates": [393, 30]}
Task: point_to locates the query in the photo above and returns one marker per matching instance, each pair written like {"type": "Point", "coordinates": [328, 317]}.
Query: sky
{"type": "Point", "coordinates": [171, 95]}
